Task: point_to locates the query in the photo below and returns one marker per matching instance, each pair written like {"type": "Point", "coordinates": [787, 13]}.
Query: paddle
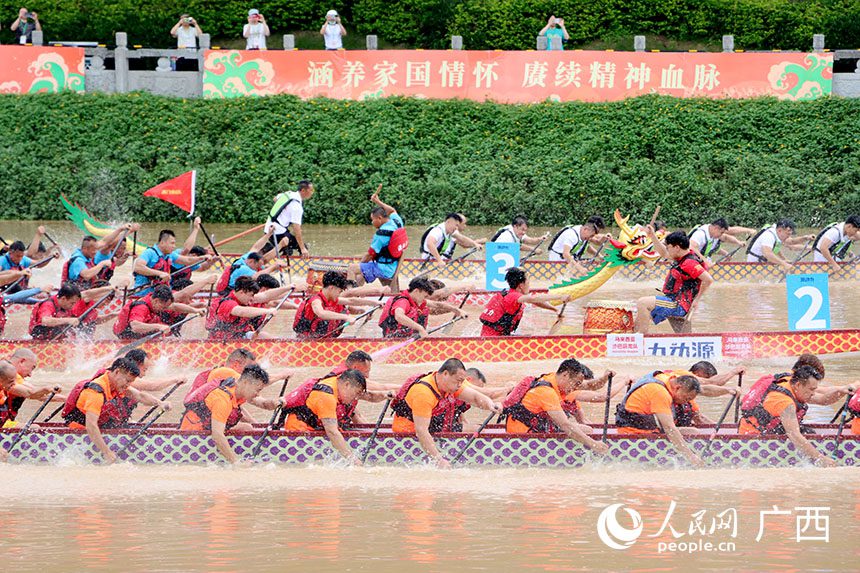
{"type": "Point", "coordinates": [375, 431]}
{"type": "Point", "coordinates": [533, 251]}
{"type": "Point", "coordinates": [472, 438]}
{"type": "Point", "coordinates": [346, 323]}
{"type": "Point", "coordinates": [838, 413]}
{"type": "Point", "coordinates": [239, 235]}
{"type": "Point", "coordinates": [259, 445]}
{"type": "Point", "coordinates": [606, 408]}
{"type": "Point", "coordinates": [557, 324]}
{"type": "Point", "coordinates": [163, 398]}
{"type": "Point", "coordinates": [738, 403]}
{"type": "Point", "coordinates": [54, 413]}
{"type": "Point", "coordinates": [274, 242]}
{"type": "Point", "coordinates": [118, 243]}
{"type": "Point", "coordinates": [133, 248]}
{"type": "Point", "coordinates": [385, 352]}
{"type": "Point", "coordinates": [32, 419]}
{"type": "Point", "coordinates": [841, 424]}
{"type": "Point", "coordinates": [719, 423]}
{"type": "Point", "coordinates": [269, 318]}
{"type": "Point", "coordinates": [36, 265]}
{"type": "Point", "coordinates": [460, 258]}
{"type": "Point", "coordinates": [13, 285]}
{"type": "Point", "coordinates": [139, 434]}
{"type": "Point", "coordinates": [803, 252]}
{"type": "Point", "coordinates": [448, 328]}
{"type": "Point", "coordinates": [84, 314]}
{"type": "Point", "coordinates": [209, 239]}
{"type": "Point", "coordinates": [728, 256]}
{"type": "Point", "coordinates": [651, 224]}
{"type": "Point", "coordinates": [153, 336]}
{"type": "Point", "coordinates": [53, 242]}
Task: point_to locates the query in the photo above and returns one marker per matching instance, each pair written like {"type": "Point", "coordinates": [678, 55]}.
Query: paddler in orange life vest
{"type": "Point", "coordinates": [503, 313]}
{"type": "Point", "coordinates": [406, 314]}
{"type": "Point", "coordinates": [316, 405]}
{"type": "Point", "coordinates": [535, 405]}
{"type": "Point", "coordinates": [7, 381]}
{"type": "Point", "coordinates": [347, 414]}
{"type": "Point", "coordinates": [687, 281]}
{"type": "Point", "coordinates": [688, 414]}
{"type": "Point", "coordinates": [215, 407]}
{"type": "Point", "coordinates": [232, 368]}
{"type": "Point", "coordinates": [649, 406]}
{"type": "Point", "coordinates": [24, 361]}
{"type": "Point", "coordinates": [93, 405]}
{"type": "Point", "coordinates": [326, 314]}
{"type": "Point", "coordinates": [777, 407]}
{"type": "Point", "coordinates": [589, 391]}
{"type": "Point", "coordinates": [417, 404]}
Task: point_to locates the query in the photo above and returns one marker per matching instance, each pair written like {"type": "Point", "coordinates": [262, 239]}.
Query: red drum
{"type": "Point", "coordinates": [607, 316]}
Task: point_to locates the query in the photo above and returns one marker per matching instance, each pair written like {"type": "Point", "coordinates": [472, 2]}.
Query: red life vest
{"type": "Point", "coordinates": [393, 329]}
{"type": "Point", "coordinates": [453, 409]}
{"type": "Point", "coordinates": [115, 413]}
{"type": "Point", "coordinates": [199, 381]}
{"type": "Point", "coordinates": [513, 406]}
{"type": "Point", "coordinates": [222, 287]}
{"type": "Point", "coordinates": [36, 329]}
{"type": "Point", "coordinates": [162, 264]}
{"type": "Point", "coordinates": [402, 408]}
{"type": "Point", "coordinates": [752, 406]}
{"type": "Point", "coordinates": [397, 244]}
{"type": "Point", "coordinates": [308, 325]}
{"type": "Point", "coordinates": [233, 327]}
{"type": "Point", "coordinates": [495, 316]}
{"type": "Point", "coordinates": [2, 314]}
{"type": "Point", "coordinates": [9, 408]}
{"type": "Point", "coordinates": [854, 405]}
{"type": "Point", "coordinates": [680, 286]}
{"type": "Point", "coordinates": [82, 283]}
{"type": "Point", "coordinates": [196, 402]}
{"type": "Point", "coordinates": [25, 281]}
{"type": "Point", "coordinates": [122, 326]}
{"type": "Point", "coordinates": [624, 418]}
{"type": "Point", "coordinates": [296, 403]}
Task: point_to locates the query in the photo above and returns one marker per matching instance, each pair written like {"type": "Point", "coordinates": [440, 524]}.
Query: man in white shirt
{"type": "Point", "coordinates": [333, 31]}
{"type": "Point", "coordinates": [516, 233]}
{"type": "Point", "coordinates": [767, 244]}
{"type": "Point", "coordinates": [835, 240]}
{"type": "Point", "coordinates": [572, 242]}
{"type": "Point", "coordinates": [438, 241]}
{"type": "Point", "coordinates": [286, 219]}
{"type": "Point", "coordinates": [186, 32]}
{"type": "Point", "coordinates": [707, 239]}
{"type": "Point", "coordinates": [255, 31]}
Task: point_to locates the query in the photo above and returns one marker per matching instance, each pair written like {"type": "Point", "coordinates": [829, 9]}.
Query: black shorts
{"type": "Point", "coordinates": [292, 244]}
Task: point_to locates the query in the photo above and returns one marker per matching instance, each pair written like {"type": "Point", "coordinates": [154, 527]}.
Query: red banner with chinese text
{"type": "Point", "coordinates": [34, 69]}
{"type": "Point", "coordinates": [517, 77]}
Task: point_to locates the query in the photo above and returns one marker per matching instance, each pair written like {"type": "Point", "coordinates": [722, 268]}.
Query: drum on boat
{"type": "Point", "coordinates": [607, 316]}
{"type": "Point", "coordinates": [316, 270]}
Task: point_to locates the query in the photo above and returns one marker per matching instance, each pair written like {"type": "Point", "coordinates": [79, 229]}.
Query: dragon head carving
{"type": "Point", "coordinates": [633, 243]}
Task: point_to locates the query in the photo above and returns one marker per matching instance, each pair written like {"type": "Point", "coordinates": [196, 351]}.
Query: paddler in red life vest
{"type": "Point", "coordinates": [92, 264]}
{"type": "Point", "coordinates": [96, 404]}
{"type": "Point", "coordinates": [387, 247]}
{"type": "Point", "coordinates": [687, 281]}
{"type": "Point", "coordinates": [649, 406]}
{"type": "Point", "coordinates": [143, 316]}
{"type": "Point", "coordinates": [416, 405]}
{"type": "Point", "coordinates": [319, 404]}
{"type": "Point", "coordinates": [535, 405]}
{"type": "Point", "coordinates": [406, 314]}
{"type": "Point", "coordinates": [24, 361]}
{"type": "Point", "coordinates": [503, 313]}
{"type": "Point", "coordinates": [184, 291]}
{"type": "Point", "coordinates": [232, 317]}
{"type": "Point", "coordinates": [216, 407]}
{"type": "Point", "coordinates": [55, 313]}
{"type": "Point", "coordinates": [347, 414]}
{"type": "Point", "coordinates": [324, 314]}
{"type": "Point", "coordinates": [777, 407]}
{"type": "Point", "coordinates": [153, 265]}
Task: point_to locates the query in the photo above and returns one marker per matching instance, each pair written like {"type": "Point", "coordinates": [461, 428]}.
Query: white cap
{"type": "Point", "coordinates": [253, 12]}
{"type": "Point", "coordinates": [331, 13]}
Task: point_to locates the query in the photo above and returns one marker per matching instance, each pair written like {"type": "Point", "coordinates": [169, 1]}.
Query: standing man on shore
{"type": "Point", "coordinates": [286, 220]}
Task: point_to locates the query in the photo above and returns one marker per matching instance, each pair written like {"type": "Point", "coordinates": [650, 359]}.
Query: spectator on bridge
{"type": "Point", "coordinates": [255, 31]}
{"type": "Point", "coordinates": [24, 25]}
{"type": "Point", "coordinates": [554, 29]}
{"type": "Point", "coordinates": [333, 31]}
{"type": "Point", "coordinates": [186, 32]}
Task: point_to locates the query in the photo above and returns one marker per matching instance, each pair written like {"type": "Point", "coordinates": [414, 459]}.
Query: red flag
{"type": "Point", "coordinates": [180, 191]}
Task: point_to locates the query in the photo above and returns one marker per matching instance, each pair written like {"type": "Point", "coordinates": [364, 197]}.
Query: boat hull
{"type": "Point", "coordinates": [163, 446]}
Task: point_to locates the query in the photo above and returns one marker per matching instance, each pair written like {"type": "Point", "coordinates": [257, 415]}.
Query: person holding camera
{"type": "Point", "coordinates": [333, 31]}
{"type": "Point", "coordinates": [255, 31]}
{"type": "Point", "coordinates": [24, 25]}
{"type": "Point", "coordinates": [554, 29]}
{"type": "Point", "coordinates": [186, 32]}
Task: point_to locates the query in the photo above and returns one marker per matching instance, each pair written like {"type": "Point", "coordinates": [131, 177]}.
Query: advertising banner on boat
{"type": "Point", "coordinates": [34, 69]}
{"type": "Point", "coordinates": [516, 77]}
{"type": "Point", "coordinates": [700, 347]}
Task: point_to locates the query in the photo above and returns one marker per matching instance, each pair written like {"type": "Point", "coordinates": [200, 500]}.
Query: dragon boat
{"type": "Point", "coordinates": [164, 444]}
{"type": "Point", "coordinates": [203, 354]}
{"type": "Point", "coordinates": [641, 269]}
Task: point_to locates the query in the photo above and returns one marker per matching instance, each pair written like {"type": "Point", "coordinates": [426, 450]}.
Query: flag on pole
{"type": "Point", "coordinates": [179, 191]}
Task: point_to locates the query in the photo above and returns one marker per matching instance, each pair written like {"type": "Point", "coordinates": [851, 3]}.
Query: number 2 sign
{"type": "Point", "coordinates": [500, 257]}
{"type": "Point", "coordinates": [808, 302]}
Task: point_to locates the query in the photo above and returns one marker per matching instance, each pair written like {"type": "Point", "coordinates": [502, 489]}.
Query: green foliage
{"type": "Point", "coordinates": [751, 160]}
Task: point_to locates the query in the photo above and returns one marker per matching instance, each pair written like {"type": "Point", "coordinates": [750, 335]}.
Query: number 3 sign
{"type": "Point", "coordinates": [500, 257]}
{"type": "Point", "coordinates": [808, 302]}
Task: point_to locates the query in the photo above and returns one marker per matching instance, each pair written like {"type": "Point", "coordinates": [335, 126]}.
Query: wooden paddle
{"type": "Point", "coordinates": [557, 324]}
{"type": "Point", "coordinates": [36, 265]}
{"type": "Point", "coordinates": [803, 252]}
{"type": "Point", "coordinates": [153, 336]}
{"type": "Point", "coordinates": [738, 402]}
{"type": "Point", "coordinates": [274, 242]}
{"type": "Point", "coordinates": [372, 438]}
{"type": "Point", "coordinates": [447, 330]}
{"type": "Point", "coordinates": [84, 314]}
{"type": "Point", "coordinates": [223, 242]}
{"type": "Point", "coordinates": [841, 425]}
{"type": "Point", "coordinates": [606, 408]}
{"type": "Point", "coordinates": [472, 438]}
{"type": "Point", "coordinates": [139, 434]}
{"type": "Point", "coordinates": [719, 424]}
{"type": "Point", "coordinates": [269, 318]}
{"type": "Point", "coordinates": [385, 352]}
{"type": "Point", "coordinates": [270, 426]}
{"type": "Point", "coordinates": [32, 419]}
{"type": "Point", "coordinates": [163, 398]}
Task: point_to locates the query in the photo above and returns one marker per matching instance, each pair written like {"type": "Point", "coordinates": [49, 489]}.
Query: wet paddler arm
{"type": "Point", "coordinates": [422, 432]}
{"type": "Point", "coordinates": [788, 417]}
{"type": "Point", "coordinates": [668, 424]}
{"type": "Point", "coordinates": [221, 443]}
{"type": "Point", "coordinates": [337, 440]}
{"type": "Point", "coordinates": [95, 434]}
{"type": "Point", "coordinates": [573, 430]}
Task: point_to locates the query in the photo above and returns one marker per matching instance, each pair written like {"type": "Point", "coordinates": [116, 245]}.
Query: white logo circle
{"type": "Point", "coordinates": [612, 534]}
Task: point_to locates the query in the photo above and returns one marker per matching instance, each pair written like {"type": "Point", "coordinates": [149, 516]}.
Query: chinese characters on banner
{"type": "Point", "coordinates": [516, 77]}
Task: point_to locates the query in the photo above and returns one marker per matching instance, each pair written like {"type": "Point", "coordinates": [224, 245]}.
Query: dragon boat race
{"type": "Point", "coordinates": [572, 308]}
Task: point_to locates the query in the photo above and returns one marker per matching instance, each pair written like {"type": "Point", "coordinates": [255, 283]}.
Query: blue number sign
{"type": "Point", "coordinates": [808, 302]}
{"type": "Point", "coordinates": [500, 257]}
